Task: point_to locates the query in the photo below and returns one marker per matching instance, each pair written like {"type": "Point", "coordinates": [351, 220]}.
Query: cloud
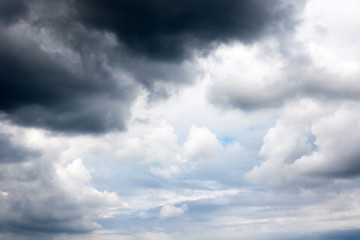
{"type": "Point", "coordinates": [42, 196]}
{"type": "Point", "coordinates": [202, 144]}
{"type": "Point", "coordinates": [11, 11]}
{"type": "Point", "coordinates": [159, 144]}
{"type": "Point", "coordinates": [106, 130]}
{"type": "Point", "coordinates": [45, 201]}
{"type": "Point", "coordinates": [48, 81]}
{"type": "Point", "coordinates": [307, 63]}
{"type": "Point", "coordinates": [68, 69]}
{"type": "Point", "coordinates": [160, 30]}
{"type": "Point", "coordinates": [170, 211]}
{"type": "Point", "coordinates": [310, 144]}
{"type": "Point", "coordinates": [244, 80]}
{"type": "Point", "coordinates": [11, 152]}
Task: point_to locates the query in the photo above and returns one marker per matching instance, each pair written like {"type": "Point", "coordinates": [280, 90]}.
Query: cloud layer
{"type": "Point", "coordinates": [68, 69]}
{"type": "Point", "coordinates": [162, 30]}
{"type": "Point", "coordinates": [41, 196]}
{"type": "Point", "coordinates": [175, 120]}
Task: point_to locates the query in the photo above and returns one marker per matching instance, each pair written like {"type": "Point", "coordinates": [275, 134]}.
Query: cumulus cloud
{"type": "Point", "coordinates": [170, 211]}
{"type": "Point", "coordinates": [87, 150]}
{"type": "Point", "coordinates": [42, 199]}
{"type": "Point", "coordinates": [202, 144]}
{"type": "Point", "coordinates": [157, 142]}
{"type": "Point", "coordinates": [41, 195]}
{"type": "Point", "coordinates": [313, 62]}
{"type": "Point", "coordinates": [310, 144]}
{"type": "Point", "coordinates": [244, 80]}
{"type": "Point", "coordinates": [160, 144]}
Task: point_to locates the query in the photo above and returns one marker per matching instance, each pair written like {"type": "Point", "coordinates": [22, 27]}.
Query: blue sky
{"type": "Point", "coordinates": [137, 120]}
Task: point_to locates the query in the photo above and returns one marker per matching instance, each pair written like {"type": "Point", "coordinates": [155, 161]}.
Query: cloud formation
{"type": "Point", "coordinates": [47, 82]}
{"type": "Point", "coordinates": [162, 30]}
{"type": "Point", "coordinates": [310, 144]}
{"type": "Point", "coordinates": [117, 117]}
{"type": "Point", "coordinates": [170, 211]}
{"type": "Point", "coordinates": [11, 11]}
{"type": "Point", "coordinates": [66, 65]}
{"type": "Point", "coordinates": [11, 152]}
{"type": "Point", "coordinates": [40, 195]}
{"type": "Point", "coordinates": [313, 62]}
{"type": "Point", "coordinates": [202, 145]}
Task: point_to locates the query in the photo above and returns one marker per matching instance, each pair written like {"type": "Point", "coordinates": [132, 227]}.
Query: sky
{"type": "Point", "coordinates": [171, 120]}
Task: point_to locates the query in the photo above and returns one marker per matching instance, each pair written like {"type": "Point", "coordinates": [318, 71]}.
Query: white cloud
{"type": "Point", "coordinates": [170, 211]}
{"type": "Point", "coordinates": [74, 173]}
{"type": "Point", "coordinates": [41, 193]}
{"type": "Point", "coordinates": [202, 144]}
{"type": "Point", "coordinates": [241, 78]}
{"type": "Point", "coordinates": [310, 144]}
{"type": "Point", "coordinates": [165, 172]}
{"type": "Point", "coordinates": [152, 198]}
{"type": "Point", "coordinates": [317, 61]}
{"type": "Point", "coordinates": [151, 139]}
{"type": "Point", "coordinates": [74, 179]}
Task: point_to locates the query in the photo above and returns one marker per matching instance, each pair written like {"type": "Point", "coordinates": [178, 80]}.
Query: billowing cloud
{"type": "Point", "coordinates": [310, 145]}
{"type": "Point", "coordinates": [11, 152]}
{"type": "Point", "coordinates": [313, 62]}
{"type": "Point", "coordinates": [162, 30]}
{"type": "Point", "coordinates": [202, 144]}
{"type": "Point", "coordinates": [159, 145]}
{"type": "Point", "coordinates": [179, 120]}
{"type": "Point", "coordinates": [67, 65]}
{"type": "Point", "coordinates": [46, 81]}
{"type": "Point", "coordinates": [41, 195]}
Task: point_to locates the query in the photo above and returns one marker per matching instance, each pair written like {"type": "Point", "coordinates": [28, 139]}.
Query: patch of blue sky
{"type": "Point", "coordinates": [253, 128]}
{"type": "Point", "coordinates": [226, 140]}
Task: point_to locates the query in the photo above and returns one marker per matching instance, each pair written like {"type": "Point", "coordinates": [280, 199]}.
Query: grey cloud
{"type": "Point", "coordinates": [76, 66]}
{"type": "Point", "coordinates": [161, 30]}
{"type": "Point", "coordinates": [48, 82]}
{"type": "Point", "coordinates": [297, 80]}
{"type": "Point", "coordinates": [39, 198]}
{"type": "Point", "coordinates": [327, 235]}
{"type": "Point", "coordinates": [35, 204]}
{"type": "Point", "coordinates": [11, 152]}
{"type": "Point", "coordinates": [12, 10]}
{"type": "Point", "coordinates": [293, 65]}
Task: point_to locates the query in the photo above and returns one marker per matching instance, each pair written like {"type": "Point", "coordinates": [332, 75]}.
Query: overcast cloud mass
{"type": "Point", "coordinates": [172, 120]}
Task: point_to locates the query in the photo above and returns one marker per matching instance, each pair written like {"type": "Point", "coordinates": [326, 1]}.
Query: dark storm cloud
{"type": "Point", "coordinates": [60, 71]}
{"type": "Point", "coordinates": [74, 93]}
{"type": "Point", "coordinates": [11, 10]}
{"type": "Point", "coordinates": [35, 90]}
{"type": "Point", "coordinates": [10, 152]}
{"type": "Point", "coordinates": [167, 30]}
